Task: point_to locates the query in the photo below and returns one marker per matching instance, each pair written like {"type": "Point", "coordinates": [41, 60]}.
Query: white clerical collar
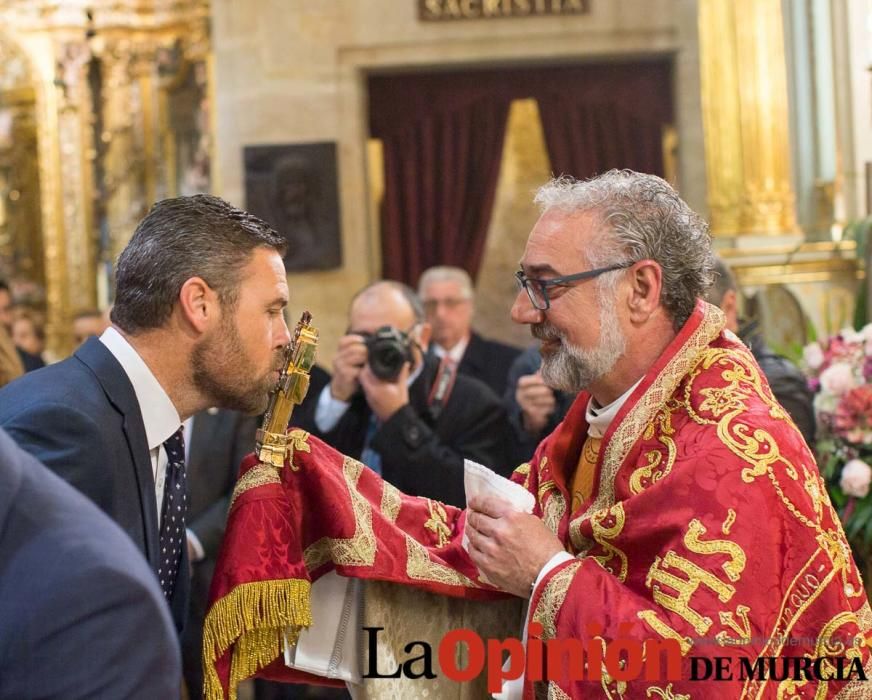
{"type": "Point", "coordinates": [599, 418]}
{"type": "Point", "coordinates": [159, 414]}
{"type": "Point", "coordinates": [455, 354]}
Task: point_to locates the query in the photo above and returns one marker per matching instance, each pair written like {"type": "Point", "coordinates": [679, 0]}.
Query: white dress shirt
{"type": "Point", "coordinates": [159, 414]}
{"type": "Point", "coordinates": [455, 354]}
{"type": "Point", "coordinates": [330, 410]}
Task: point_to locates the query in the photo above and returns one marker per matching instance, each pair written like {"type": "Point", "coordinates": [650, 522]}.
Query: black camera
{"type": "Point", "coordinates": [388, 350]}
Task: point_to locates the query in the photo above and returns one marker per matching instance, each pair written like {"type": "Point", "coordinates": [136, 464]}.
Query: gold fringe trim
{"type": "Point", "coordinates": [253, 616]}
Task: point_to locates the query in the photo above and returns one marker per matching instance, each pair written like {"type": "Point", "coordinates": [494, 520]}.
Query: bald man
{"type": "Point", "coordinates": [398, 426]}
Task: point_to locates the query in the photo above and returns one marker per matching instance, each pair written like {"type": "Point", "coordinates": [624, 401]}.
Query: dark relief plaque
{"type": "Point", "coordinates": [294, 188]}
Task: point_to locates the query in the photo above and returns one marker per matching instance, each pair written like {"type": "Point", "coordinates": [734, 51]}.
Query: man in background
{"type": "Point", "coordinates": [447, 295]}
{"type": "Point", "coordinates": [7, 319]}
{"type": "Point", "coordinates": [785, 379]}
{"type": "Point", "coordinates": [87, 323]}
{"type": "Point", "coordinates": [402, 427]}
{"type": "Point", "coordinates": [83, 617]}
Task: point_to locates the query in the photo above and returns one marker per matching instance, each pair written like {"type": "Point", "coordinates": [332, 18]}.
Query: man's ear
{"type": "Point", "coordinates": [425, 331]}
{"type": "Point", "coordinates": [199, 304]}
{"type": "Point", "coordinates": [646, 282]}
{"type": "Point", "coordinates": [730, 306]}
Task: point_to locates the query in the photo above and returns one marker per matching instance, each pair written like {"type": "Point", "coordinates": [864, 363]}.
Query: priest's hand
{"type": "Point", "coordinates": [507, 546]}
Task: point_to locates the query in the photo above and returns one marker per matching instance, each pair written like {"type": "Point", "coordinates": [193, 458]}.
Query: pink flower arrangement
{"type": "Point", "coordinates": [839, 370]}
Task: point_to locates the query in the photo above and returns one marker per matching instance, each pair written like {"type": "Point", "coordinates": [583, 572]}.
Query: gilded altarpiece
{"type": "Point", "coordinates": [110, 112]}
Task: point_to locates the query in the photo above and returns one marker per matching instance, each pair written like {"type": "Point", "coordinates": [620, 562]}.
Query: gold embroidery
{"type": "Point", "coordinates": [552, 599]}
{"type": "Point", "coordinates": [554, 510]}
{"type": "Point", "coordinates": [720, 400]}
{"type": "Point", "coordinates": [728, 523]}
{"type": "Point", "coordinates": [692, 541]}
{"type": "Point", "coordinates": [420, 567]}
{"type": "Point", "coordinates": [607, 525]}
{"type": "Point", "coordinates": [634, 423]}
{"type": "Point", "coordinates": [360, 548]}
{"type": "Point", "coordinates": [685, 588]}
{"type": "Point", "coordinates": [555, 693]}
{"type": "Point", "coordinates": [524, 470]}
{"type": "Point", "coordinates": [298, 441]}
{"type": "Point", "coordinates": [664, 630]}
{"type": "Point", "coordinates": [391, 502]}
{"type": "Point", "coordinates": [857, 689]}
{"type": "Point", "coordinates": [743, 632]}
{"type": "Point", "coordinates": [259, 475]}
{"type": "Point", "coordinates": [666, 693]}
{"type": "Point", "coordinates": [437, 524]}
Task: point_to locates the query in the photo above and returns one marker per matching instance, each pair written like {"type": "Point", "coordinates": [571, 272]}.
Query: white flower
{"type": "Point", "coordinates": [856, 476]}
{"type": "Point", "coordinates": [838, 378]}
{"type": "Point", "coordinates": [849, 335]}
{"type": "Point", "coordinates": [813, 355]}
{"type": "Point", "coordinates": [866, 332]}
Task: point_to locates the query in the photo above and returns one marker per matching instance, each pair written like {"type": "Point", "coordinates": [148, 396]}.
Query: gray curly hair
{"type": "Point", "coordinates": [644, 219]}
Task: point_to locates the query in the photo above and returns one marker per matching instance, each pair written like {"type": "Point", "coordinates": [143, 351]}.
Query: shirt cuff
{"type": "Point", "coordinates": [552, 563]}
{"type": "Point", "coordinates": [196, 546]}
{"type": "Point", "coordinates": [329, 410]}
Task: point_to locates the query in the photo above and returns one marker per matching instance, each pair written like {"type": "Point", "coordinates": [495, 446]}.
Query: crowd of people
{"type": "Point", "coordinates": [152, 414]}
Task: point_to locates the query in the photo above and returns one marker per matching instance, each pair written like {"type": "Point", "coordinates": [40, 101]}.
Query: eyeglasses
{"type": "Point", "coordinates": [430, 305]}
{"type": "Point", "coordinates": [537, 289]}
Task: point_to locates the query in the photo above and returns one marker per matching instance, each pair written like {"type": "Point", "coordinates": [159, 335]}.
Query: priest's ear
{"type": "Point", "coordinates": [646, 282]}
{"type": "Point", "coordinates": [199, 306]}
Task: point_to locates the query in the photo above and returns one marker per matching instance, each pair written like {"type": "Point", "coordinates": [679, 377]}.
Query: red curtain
{"type": "Point", "coordinates": [443, 138]}
{"type": "Point", "coordinates": [610, 117]}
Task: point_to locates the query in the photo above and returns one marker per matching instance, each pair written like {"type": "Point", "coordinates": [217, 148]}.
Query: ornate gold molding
{"type": "Point", "coordinates": [745, 115]}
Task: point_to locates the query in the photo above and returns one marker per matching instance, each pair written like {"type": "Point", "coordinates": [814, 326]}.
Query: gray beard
{"type": "Point", "coordinates": [573, 369]}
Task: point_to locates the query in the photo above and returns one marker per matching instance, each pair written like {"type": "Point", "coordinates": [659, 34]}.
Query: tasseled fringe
{"type": "Point", "coordinates": [253, 616]}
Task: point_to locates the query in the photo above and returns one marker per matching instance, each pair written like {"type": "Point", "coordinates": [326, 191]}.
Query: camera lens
{"type": "Point", "coordinates": [388, 350]}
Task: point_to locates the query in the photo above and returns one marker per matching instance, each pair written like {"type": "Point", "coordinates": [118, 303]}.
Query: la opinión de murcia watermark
{"type": "Point", "coordinates": [623, 659]}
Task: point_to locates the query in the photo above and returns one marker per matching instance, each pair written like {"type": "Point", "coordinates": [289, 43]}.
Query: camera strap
{"type": "Point", "coordinates": [442, 387]}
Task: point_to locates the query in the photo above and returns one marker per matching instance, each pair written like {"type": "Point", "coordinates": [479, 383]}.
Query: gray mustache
{"type": "Point", "coordinates": [545, 331]}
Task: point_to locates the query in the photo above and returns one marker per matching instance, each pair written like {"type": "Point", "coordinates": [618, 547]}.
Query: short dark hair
{"type": "Point", "coordinates": [197, 236]}
{"type": "Point", "coordinates": [724, 282]}
{"type": "Point", "coordinates": [4, 287]}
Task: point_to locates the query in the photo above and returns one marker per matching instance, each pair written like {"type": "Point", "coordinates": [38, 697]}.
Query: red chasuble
{"type": "Point", "coordinates": [708, 533]}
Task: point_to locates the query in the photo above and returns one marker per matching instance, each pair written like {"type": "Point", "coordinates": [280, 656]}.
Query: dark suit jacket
{"type": "Point", "coordinates": [219, 441]}
{"type": "Point", "coordinates": [81, 614]}
{"type": "Point", "coordinates": [488, 361]}
{"type": "Point", "coordinates": [419, 455]}
{"type": "Point", "coordinates": [81, 418]}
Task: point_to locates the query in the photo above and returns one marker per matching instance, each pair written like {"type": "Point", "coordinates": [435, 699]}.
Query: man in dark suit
{"type": "Point", "coordinates": [446, 293]}
{"type": "Point", "coordinates": [197, 322]}
{"type": "Point", "coordinates": [402, 427]}
{"type": "Point", "coordinates": [82, 615]}
{"type": "Point", "coordinates": [217, 440]}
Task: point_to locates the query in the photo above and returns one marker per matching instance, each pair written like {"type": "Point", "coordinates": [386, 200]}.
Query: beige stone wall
{"type": "Point", "coordinates": [290, 72]}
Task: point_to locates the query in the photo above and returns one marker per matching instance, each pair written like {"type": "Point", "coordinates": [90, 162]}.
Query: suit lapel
{"type": "Point", "coordinates": [119, 391]}
{"type": "Point", "coordinates": [473, 361]}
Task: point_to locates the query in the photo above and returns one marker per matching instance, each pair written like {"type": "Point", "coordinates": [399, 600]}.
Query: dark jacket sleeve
{"type": "Point", "coordinates": [791, 390]}
{"type": "Point", "coordinates": [427, 460]}
{"type": "Point", "coordinates": [102, 632]}
{"type": "Point", "coordinates": [67, 441]}
{"type": "Point", "coordinates": [209, 525]}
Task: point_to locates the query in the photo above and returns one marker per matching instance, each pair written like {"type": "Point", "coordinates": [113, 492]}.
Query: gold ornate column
{"type": "Point", "coordinates": [745, 117]}
{"type": "Point", "coordinates": [65, 149]}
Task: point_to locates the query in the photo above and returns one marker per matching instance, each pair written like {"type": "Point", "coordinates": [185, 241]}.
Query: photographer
{"type": "Point", "coordinates": [400, 411]}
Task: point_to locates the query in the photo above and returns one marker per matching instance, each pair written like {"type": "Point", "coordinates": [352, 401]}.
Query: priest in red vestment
{"type": "Point", "coordinates": [682, 544]}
